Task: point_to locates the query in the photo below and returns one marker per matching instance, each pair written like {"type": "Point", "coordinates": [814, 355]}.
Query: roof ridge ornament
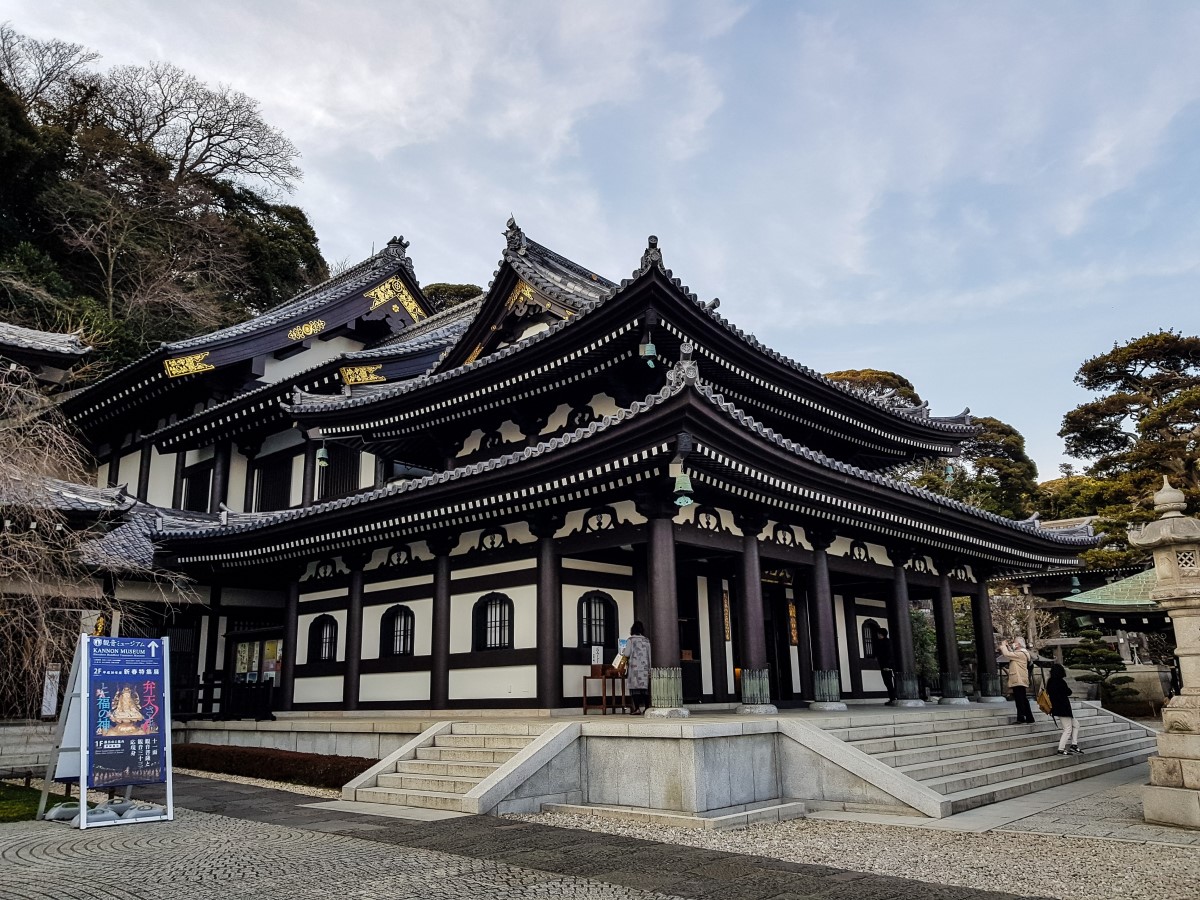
{"type": "Point", "coordinates": [651, 257]}
{"type": "Point", "coordinates": [515, 237]}
{"type": "Point", "coordinates": [685, 371]}
{"type": "Point", "coordinates": [397, 249]}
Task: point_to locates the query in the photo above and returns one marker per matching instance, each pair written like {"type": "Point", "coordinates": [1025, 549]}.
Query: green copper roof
{"type": "Point", "coordinates": [1128, 592]}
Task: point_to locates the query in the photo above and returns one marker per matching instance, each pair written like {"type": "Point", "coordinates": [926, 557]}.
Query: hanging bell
{"type": "Point", "coordinates": [322, 458]}
{"type": "Point", "coordinates": [648, 352]}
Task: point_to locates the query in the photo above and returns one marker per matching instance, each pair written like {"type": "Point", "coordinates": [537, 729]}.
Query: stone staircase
{"type": "Point", "coordinates": [453, 763]}
{"type": "Point", "coordinates": [983, 757]}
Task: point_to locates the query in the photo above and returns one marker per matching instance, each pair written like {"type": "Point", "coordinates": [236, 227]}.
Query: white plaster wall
{"type": "Point", "coordinates": [394, 686]}
{"type": "Point", "coordinates": [535, 328]}
{"type": "Point", "coordinates": [278, 369]}
{"type": "Point", "coordinates": [161, 489]}
{"type": "Point", "coordinates": [573, 680]}
{"type": "Point", "coordinates": [794, 662]}
{"type": "Point", "coordinates": [195, 456]}
{"type": "Point", "coordinates": [366, 470]}
{"type": "Point", "coordinates": [798, 533]}
{"type": "Point", "coordinates": [236, 495]}
{"type": "Point", "coordinates": [839, 623]}
{"type": "Point", "coordinates": [306, 620]}
{"type": "Point", "coordinates": [102, 475]}
{"type": "Point", "coordinates": [471, 444]}
{"type": "Point", "coordinates": [422, 611]}
{"type": "Point", "coordinates": [557, 420]}
{"type": "Point", "coordinates": [587, 565]}
{"type": "Point", "coordinates": [728, 643]}
{"type": "Point", "coordinates": [516, 565]}
{"type": "Point", "coordinates": [603, 405]}
{"type": "Point", "coordinates": [130, 467]}
{"type": "Point", "coordinates": [497, 682]}
{"type": "Point", "coordinates": [321, 595]}
{"type": "Point", "coordinates": [426, 580]}
{"type": "Point", "coordinates": [222, 624]}
{"type": "Point", "coordinates": [202, 648]}
{"type": "Point", "coordinates": [296, 492]}
{"type": "Point", "coordinates": [326, 689]}
{"type": "Point", "coordinates": [688, 516]}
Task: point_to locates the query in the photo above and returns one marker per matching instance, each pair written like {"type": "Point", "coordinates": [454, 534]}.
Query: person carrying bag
{"type": "Point", "coordinates": [1019, 664]}
{"type": "Point", "coordinates": [1059, 693]}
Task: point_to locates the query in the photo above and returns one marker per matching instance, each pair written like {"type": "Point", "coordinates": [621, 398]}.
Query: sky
{"type": "Point", "coordinates": [977, 196]}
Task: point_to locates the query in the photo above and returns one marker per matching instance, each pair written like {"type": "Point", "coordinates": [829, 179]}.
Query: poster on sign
{"type": "Point", "coordinates": [128, 730]}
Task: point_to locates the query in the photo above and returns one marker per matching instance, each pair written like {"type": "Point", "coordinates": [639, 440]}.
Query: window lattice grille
{"type": "Point", "coordinates": [1186, 559]}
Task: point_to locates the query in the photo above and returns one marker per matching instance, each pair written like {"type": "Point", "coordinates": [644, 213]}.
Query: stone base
{"type": "Point", "coordinates": [828, 705]}
{"type": "Point", "coordinates": [667, 712]}
{"type": "Point", "coordinates": [757, 709]}
{"type": "Point", "coordinates": [910, 704]}
{"type": "Point", "coordinates": [1171, 806]}
{"type": "Point", "coordinates": [952, 701]}
{"type": "Point", "coordinates": [997, 700]}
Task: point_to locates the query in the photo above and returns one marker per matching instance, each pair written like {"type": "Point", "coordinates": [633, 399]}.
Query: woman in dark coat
{"type": "Point", "coordinates": [1060, 701]}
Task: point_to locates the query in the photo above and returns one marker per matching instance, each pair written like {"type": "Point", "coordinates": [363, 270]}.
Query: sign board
{"type": "Point", "coordinates": [50, 692]}
{"type": "Point", "coordinates": [127, 734]}
{"type": "Point", "coordinates": [597, 655]}
{"type": "Point", "coordinates": [114, 729]}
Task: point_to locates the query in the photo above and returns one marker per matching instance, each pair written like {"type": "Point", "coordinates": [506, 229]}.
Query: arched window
{"type": "Point", "coordinates": [870, 629]}
{"type": "Point", "coordinates": [396, 632]}
{"type": "Point", "coordinates": [492, 622]}
{"type": "Point", "coordinates": [597, 620]}
{"type": "Point", "coordinates": [322, 639]}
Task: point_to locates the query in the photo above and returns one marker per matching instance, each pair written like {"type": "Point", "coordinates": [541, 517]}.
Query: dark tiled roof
{"type": "Point", "coordinates": [130, 546]}
{"type": "Point", "coordinates": [674, 387]}
{"type": "Point", "coordinates": [41, 341]}
{"type": "Point", "coordinates": [67, 497]}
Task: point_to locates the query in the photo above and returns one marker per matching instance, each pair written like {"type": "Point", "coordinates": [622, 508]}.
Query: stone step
{"type": "Point", "coordinates": [1036, 746]}
{"type": "Point", "coordinates": [421, 799]}
{"type": "Point", "coordinates": [446, 784]}
{"type": "Point", "coordinates": [953, 784]}
{"type": "Point", "coordinates": [450, 768]}
{"type": "Point", "coordinates": [906, 726]}
{"type": "Point", "coordinates": [483, 741]}
{"type": "Point", "coordinates": [959, 736]}
{"type": "Point", "coordinates": [532, 729]}
{"type": "Point", "coordinates": [901, 759]}
{"type": "Point", "coordinates": [973, 798]}
{"type": "Point", "coordinates": [465, 754]}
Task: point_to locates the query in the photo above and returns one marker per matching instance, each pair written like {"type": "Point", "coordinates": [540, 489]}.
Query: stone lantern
{"type": "Point", "coordinates": [1173, 797]}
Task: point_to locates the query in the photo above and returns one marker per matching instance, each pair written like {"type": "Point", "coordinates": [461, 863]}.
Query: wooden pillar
{"type": "Point", "coordinates": [177, 489]}
{"type": "Point", "coordinates": [308, 487]}
{"type": "Point", "coordinates": [801, 586]}
{"type": "Point", "coordinates": [664, 601]}
{"type": "Point", "coordinates": [827, 691]}
{"type": "Point", "coordinates": [549, 614]}
{"type": "Point", "coordinates": [899, 609]}
{"type": "Point", "coordinates": [291, 644]}
{"type": "Point", "coordinates": [439, 675]}
{"type": "Point", "coordinates": [985, 638]}
{"type": "Point", "coordinates": [354, 627]}
{"type": "Point", "coordinates": [755, 687]}
{"type": "Point", "coordinates": [143, 483]}
{"type": "Point", "coordinates": [947, 637]}
{"type": "Point", "coordinates": [219, 489]}
{"type": "Point", "coordinates": [716, 637]}
{"type": "Point", "coordinates": [210, 649]}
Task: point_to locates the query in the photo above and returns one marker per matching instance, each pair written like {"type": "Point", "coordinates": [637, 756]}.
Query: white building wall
{"type": "Point", "coordinates": [238, 470]}
{"type": "Point", "coordinates": [366, 470]}
{"type": "Point", "coordinates": [319, 352]}
{"type": "Point", "coordinates": [839, 622]}
{"type": "Point", "coordinates": [296, 494]}
{"type": "Point", "coordinates": [161, 489]}
{"type": "Point", "coordinates": [496, 682]}
{"type": "Point", "coordinates": [394, 686]}
{"type": "Point", "coordinates": [325, 689]}
{"type": "Point", "coordinates": [422, 611]}
{"type": "Point", "coordinates": [706, 660]}
{"type": "Point", "coordinates": [306, 620]}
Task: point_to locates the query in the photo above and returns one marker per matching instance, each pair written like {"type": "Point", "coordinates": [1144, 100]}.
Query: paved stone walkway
{"type": "Point", "coordinates": [232, 841]}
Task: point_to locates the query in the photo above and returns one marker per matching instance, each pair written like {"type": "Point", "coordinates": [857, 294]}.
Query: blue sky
{"type": "Point", "coordinates": [978, 196]}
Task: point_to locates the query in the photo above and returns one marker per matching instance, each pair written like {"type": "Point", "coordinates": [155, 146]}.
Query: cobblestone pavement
{"type": "Point", "coordinates": [252, 842]}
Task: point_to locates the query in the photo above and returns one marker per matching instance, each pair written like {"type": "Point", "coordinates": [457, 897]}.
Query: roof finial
{"type": "Point", "coordinates": [685, 371]}
{"type": "Point", "coordinates": [397, 249]}
{"type": "Point", "coordinates": [1170, 502]}
{"type": "Point", "coordinates": [652, 256]}
{"type": "Point", "coordinates": [515, 236]}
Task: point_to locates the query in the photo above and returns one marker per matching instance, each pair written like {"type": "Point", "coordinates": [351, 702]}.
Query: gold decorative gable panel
{"type": "Point", "coordinates": [193, 364]}
{"type": "Point", "coordinates": [361, 374]}
{"type": "Point", "coordinates": [522, 295]}
{"type": "Point", "coordinates": [394, 292]}
{"type": "Point", "coordinates": [307, 330]}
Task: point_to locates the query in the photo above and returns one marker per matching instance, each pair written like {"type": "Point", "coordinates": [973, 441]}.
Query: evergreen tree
{"type": "Point", "coordinates": [1102, 665]}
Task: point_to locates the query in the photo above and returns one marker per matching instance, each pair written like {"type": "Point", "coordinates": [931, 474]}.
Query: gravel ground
{"type": "Point", "coordinates": [1062, 867]}
{"type": "Point", "coordinates": [322, 793]}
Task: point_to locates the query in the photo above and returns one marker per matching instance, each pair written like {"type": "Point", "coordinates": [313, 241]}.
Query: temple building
{"type": "Point", "coordinates": [385, 506]}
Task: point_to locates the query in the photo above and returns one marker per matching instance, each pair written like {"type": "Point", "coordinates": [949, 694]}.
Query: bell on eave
{"type": "Point", "coordinates": [648, 352]}
{"type": "Point", "coordinates": [322, 458]}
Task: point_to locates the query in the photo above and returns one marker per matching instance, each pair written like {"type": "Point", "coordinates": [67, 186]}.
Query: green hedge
{"type": "Point", "coordinates": [312, 769]}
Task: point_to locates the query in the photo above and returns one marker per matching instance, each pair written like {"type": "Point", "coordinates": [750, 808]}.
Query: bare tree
{"type": "Point", "coordinates": [39, 72]}
{"type": "Point", "coordinates": [47, 582]}
{"type": "Point", "coordinates": [201, 131]}
{"type": "Point", "coordinates": [1017, 615]}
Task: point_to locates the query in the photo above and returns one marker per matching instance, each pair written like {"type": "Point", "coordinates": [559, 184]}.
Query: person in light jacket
{"type": "Point", "coordinates": [1019, 661]}
{"type": "Point", "coordinates": [637, 652]}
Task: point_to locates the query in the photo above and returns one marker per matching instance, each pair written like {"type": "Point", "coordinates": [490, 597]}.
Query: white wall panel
{"type": "Point", "coordinates": [422, 611]}
{"type": "Point", "coordinates": [394, 686]}
{"type": "Point", "coordinates": [306, 620]}
{"type": "Point", "coordinates": [161, 489]}
{"type": "Point", "coordinates": [497, 682]}
{"type": "Point", "coordinates": [326, 689]}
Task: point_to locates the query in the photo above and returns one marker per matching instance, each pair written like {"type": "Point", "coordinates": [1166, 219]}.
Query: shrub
{"type": "Point", "coordinates": [312, 769]}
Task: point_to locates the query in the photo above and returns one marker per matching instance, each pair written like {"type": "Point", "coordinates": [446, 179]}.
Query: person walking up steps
{"type": "Point", "coordinates": [1019, 662]}
{"type": "Point", "coordinates": [1060, 699]}
{"type": "Point", "coordinates": [637, 651]}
